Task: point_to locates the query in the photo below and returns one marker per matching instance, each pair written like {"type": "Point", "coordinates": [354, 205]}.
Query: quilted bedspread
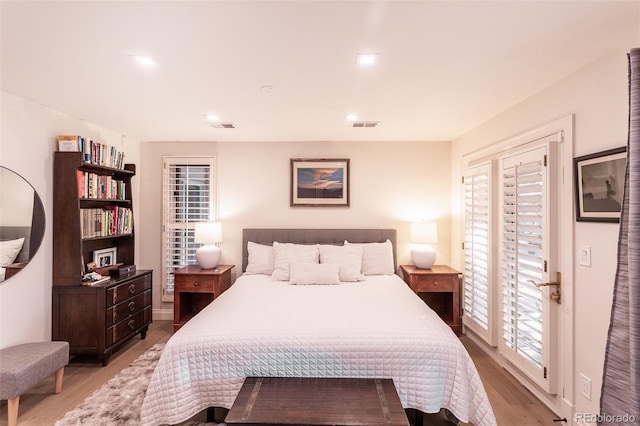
{"type": "Point", "coordinates": [259, 327]}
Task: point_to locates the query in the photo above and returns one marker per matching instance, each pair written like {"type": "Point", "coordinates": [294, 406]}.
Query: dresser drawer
{"type": "Point", "coordinates": [128, 326]}
{"type": "Point", "coordinates": [122, 292]}
{"type": "Point", "coordinates": [130, 306]}
{"type": "Point", "coordinates": [194, 284]}
{"type": "Point", "coordinates": [433, 283]}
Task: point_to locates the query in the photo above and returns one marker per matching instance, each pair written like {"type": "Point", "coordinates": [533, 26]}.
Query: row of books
{"type": "Point", "coordinates": [100, 187]}
{"type": "Point", "coordinates": [106, 222]}
{"type": "Point", "coordinates": [94, 152]}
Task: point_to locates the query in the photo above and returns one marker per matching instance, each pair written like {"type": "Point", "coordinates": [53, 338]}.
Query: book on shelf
{"type": "Point", "coordinates": [69, 143]}
{"type": "Point", "coordinates": [100, 187]}
{"type": "Point", "coordinates": [106, 222]}
{"type": "Point", "coordinates": [94, 152]}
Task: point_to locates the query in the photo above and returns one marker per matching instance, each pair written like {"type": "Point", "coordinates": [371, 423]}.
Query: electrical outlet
{"type": "Point", "coordinates": [585, 255]}
{"type": "Point", "coordinates": [585, 386]}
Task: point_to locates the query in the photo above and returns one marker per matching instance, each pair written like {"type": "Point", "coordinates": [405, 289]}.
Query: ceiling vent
{"type": "Point", "coordinates": [223, 125]}
{"type": "Point", "coordinates": [364, 123]}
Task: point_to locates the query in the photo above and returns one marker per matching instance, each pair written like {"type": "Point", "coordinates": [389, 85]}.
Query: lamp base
{"type": "Point", "coordinates": [423, 256]}
{"type": "Point", "coordinates": [208, 256]}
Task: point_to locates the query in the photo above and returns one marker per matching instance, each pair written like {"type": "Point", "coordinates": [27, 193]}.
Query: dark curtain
{"type": "Point", "coordinates": [620, 394]}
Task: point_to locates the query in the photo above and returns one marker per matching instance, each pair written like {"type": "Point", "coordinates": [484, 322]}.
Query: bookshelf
{"type": "Point", "coordinates": [92, 212]}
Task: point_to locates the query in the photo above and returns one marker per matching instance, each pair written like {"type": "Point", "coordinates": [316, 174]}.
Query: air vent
{"type": "Point", "coordinates": [223, 125]}
{"type": "Point", "coordinates": [364, 123]}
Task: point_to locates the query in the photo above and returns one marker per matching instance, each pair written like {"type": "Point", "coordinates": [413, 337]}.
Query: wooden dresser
{"type": "Point", "coordinates": [439, 287]}
{"type": "Point", "coordinates": [99, 319]}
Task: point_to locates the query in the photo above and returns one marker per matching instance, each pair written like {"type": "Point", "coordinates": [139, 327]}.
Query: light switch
{"type": "Point", "coordinates": [585, 255]}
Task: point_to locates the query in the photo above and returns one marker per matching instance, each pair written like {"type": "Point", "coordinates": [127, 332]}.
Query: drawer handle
{"type": "Point", "coordinates": [435, 283]}
{"type": "Point", "coordinates": [131, 324]}
{"type": "Point", "coordinates": [132, 288]}
{"type": "Point", "coordinates": [132, 306]}
{"type": "Point", "coordinates": [196, 284]}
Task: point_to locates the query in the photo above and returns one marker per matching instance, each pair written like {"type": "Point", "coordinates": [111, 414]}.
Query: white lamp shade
{"type": "Point", "coordinates": [208, 232]}
{"type": "Point", "coordinates": [424, 233]}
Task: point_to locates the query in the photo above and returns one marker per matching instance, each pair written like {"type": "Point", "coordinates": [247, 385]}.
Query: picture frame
{"type": "Point", "coordinates": [599, 182]}
{"type": "Point", "coordinates": [105, 257]}
{"type": "Point", "coordinates": [319, 182]}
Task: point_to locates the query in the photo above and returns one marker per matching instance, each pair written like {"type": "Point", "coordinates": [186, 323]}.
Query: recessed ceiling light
{"type": "Point", "coordinates": [352, 117]}
{"type": "Point", "coordinates": [212, 117]}
{"type": "Point", "coordinates": [145, 61]}
{"type": "Point", "coordinates": [366, 59]}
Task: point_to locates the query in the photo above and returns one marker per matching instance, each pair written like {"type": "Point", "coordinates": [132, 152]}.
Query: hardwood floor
{"type": "Point", "coordinates": [512, 403]}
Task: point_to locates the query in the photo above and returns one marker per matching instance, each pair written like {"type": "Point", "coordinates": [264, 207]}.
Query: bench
{"type": "Point", "coordinates": [23, 366]}
{"type": "Point", "coordinates": [317, 401]}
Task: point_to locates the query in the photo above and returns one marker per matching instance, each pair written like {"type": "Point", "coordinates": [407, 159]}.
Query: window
{"type": "Point", "coordinates": [189, 196]}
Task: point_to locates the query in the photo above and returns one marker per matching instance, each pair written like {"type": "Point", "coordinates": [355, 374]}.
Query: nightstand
{"type": "Point", "coordinates": [194, 288]}
{"type": "Point", "coordinates": [439, 287]}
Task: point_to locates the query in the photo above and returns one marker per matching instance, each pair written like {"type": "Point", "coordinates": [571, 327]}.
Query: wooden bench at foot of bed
{"type": "Point", "coordinates": [317, 401]}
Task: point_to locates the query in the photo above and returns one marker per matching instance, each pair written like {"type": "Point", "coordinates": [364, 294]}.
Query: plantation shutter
{"type": "Point", "coordinates": [478, 294]}
{"type": "Point", "coordinates": [188, 197]}
{"type": "Point", "coordinates": [525, 334]}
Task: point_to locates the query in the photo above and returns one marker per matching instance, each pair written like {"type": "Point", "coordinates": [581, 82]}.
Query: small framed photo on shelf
{"type": "Point", "coordinates": [319, 182]}
{"type": "Point", "coordinates": [104, 257]}
{"type": "Point", "coordinates": [599, 181]}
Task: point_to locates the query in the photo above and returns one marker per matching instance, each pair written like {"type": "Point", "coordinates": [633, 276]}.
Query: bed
{"type": "Point", "coordinates": [367, 324]}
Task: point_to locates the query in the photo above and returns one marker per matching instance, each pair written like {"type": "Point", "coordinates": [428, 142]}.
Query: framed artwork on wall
{"type": "Point", "coordinates": [599, 182]}
{"type": "Point", "coordinates": [319, 182]}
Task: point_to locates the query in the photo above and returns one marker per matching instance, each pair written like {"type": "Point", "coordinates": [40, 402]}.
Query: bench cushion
{"type": "Point", "coordinates": [23, 366]}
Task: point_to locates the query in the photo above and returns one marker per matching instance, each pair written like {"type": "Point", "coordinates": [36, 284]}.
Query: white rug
{"type": "Point", "coordinates": [118, 401]}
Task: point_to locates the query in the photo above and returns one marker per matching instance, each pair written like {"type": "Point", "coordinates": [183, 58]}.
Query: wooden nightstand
{"type": "Point", "coordinates": [439, 287]}
{"type": "Point", "coordinates": [195, 288]}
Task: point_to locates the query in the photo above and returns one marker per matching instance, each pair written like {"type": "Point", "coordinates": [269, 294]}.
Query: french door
{"type": "Point", "coordinates": [528, 261]}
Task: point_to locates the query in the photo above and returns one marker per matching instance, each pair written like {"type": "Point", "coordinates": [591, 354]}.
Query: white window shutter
{"type": "Point", "coordinates": [189, 196]}
{"type": "Point", "coordinates": [478, 285]}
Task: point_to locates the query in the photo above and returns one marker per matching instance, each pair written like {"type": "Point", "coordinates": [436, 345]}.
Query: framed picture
{"type": "Point", "coordinates": [319, 182]}
{"type": "Point", "coordinates": [599, 180]}
{"type": "Point", "coordinates": [104, 257]}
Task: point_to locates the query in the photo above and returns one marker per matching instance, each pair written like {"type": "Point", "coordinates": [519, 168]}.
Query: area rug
{"type": "Point", "coordinates": [118, 402]}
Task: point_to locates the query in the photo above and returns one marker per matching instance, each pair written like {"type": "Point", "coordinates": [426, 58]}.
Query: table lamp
{"type": "Point", "coordinates": [423, 234]}
{"type": "Point", "coordinates": [208, 233]}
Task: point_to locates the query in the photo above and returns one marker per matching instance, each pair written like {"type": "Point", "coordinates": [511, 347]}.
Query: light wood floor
{"type": "Point", "coordinates": [512, 403]}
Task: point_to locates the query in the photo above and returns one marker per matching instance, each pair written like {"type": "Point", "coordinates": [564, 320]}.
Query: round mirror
{"type": "Point", "coordinates": [21, 223]}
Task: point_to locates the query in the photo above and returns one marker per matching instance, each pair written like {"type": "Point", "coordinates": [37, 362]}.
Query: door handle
{"type": "Point", "coordinates": [557, 295]}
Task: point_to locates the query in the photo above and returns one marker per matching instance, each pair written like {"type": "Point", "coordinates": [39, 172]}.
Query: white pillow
{"type": "Point", "coordinates": [314, 273]}
{"type": "Point", "coordinates": [377, 258]}
{"type": "Point", "coordinates": [261, 259]}
{"type": "Point", "coordinates": [348, 257]}
{"type": "Point", "coordinates": [287, 253]}
{"type": "Point", "coordinates": [9, 250]}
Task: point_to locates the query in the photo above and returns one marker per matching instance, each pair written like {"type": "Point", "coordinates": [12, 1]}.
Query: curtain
{"type": "Point", "coordinates": [620, 394]}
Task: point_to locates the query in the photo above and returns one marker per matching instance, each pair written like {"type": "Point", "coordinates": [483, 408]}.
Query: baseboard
{"type": "Point", "coordinates": [163, 314]}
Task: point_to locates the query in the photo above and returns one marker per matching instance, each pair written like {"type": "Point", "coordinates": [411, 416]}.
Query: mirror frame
{"type": "Point", "coordinates": [36, 234]}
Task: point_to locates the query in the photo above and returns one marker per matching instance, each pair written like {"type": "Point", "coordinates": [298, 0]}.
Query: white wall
{"type": "Point", "coordinates": [598, 98]}
{"type": "Point", "coordinates": [392, 184]}
{"type": "Point", "coordinates": [27, 144]}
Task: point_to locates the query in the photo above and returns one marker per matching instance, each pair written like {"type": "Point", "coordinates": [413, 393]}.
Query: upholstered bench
{"type": "Point", "coordinates": [23, 366]}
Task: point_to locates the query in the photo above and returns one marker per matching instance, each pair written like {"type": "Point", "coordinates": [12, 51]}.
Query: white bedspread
{"type": "Point", "coordinates": [259, 327]}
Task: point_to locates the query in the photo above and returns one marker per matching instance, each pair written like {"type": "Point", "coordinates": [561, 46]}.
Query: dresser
{"type": "Point", "coordinates": [101, 318]}
{"type": "Point", "coordinates": [195, 288]}
{"type": "Point", "coordinates": [439, 287]}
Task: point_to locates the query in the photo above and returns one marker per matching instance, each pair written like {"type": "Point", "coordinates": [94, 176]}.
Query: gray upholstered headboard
{"type": "Point", "coordinates": [315, 236]}
{"type": "Point", "coordinates": [14, 232]}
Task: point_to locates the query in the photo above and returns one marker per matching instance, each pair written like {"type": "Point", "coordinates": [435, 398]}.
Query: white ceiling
{"type": "Point", "coordinates": [444, 67]}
